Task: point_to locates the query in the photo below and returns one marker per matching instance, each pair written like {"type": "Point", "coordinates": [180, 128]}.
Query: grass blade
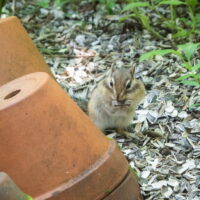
{"type": "Point", "coordinates": [136, 5]}
{"type": "Point", "coordinates": [174, 3]}
{"type": "Point", "coordinates": [150, 54]}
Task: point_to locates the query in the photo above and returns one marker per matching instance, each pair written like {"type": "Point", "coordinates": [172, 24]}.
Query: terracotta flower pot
{"type": "Point", "coordinates": [18, 54]}
{"type": "Point", "coordinates": [9, 190]}
{"type": "Point", "coordinates": [50, 147]}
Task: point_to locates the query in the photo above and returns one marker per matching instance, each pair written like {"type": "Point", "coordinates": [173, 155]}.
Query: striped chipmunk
{"type": "Point", "coordinates": [115, 99]}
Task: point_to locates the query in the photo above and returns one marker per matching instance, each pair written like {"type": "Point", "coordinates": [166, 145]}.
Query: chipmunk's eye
{"type": "Point", "coordinates": [111, 83]}
{"type": "Point", "coordinates": [128, 85]}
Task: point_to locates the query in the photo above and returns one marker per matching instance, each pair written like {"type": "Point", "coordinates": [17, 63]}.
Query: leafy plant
{"type": "Point", "coordinates": [62, 3]}
{"type": "Point", "coordinates": [109, 4]}
{"type": "Point", "coordinates": [28, 197]}
{"type": "Point", "coordinates": [185, 53]}
{"type": "Point", "coordinates": [2, 3]}
{"type": "Point", "coordinates": [138, 14]}
{"type": "Point", "coordinates": [43, 3]}
{"type": "Point", "coordinates": [181, 27]}
{"type": "Point", "coordinates": [133, 171]}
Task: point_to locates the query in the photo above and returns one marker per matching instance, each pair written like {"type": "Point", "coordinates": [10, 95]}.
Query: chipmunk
{"type": "Point", "coordinates": [114, 100]}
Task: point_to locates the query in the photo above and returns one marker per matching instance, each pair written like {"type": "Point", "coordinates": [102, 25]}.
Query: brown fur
{"type": "Point", "coordinates": [102, 107]}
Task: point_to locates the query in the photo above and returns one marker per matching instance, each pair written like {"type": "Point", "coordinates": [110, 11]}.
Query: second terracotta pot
{"type": "Point", "coordinates": [18, 54]}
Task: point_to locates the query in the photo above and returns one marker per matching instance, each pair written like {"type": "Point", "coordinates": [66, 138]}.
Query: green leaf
{"type": "Point", "coordinates": [43, 3]}
{"type": "Point", "coordinates": [161, 52]}
{"type": "Point", "coordinates": [169, 24]}
{"type": "Point", "coordinates": [175, 3]}
{"type": "Point", "coordinates": [188, 49]}
{"type": "Point", "coordinates": [197, 17]}
{"type": "Point", "coordinates": [181, 33]}
{"type": "Point", "coordinates": [192, 3]}
{"type": "Point", "coordinates": [186, 21]}
{"type": "Point", "coordinates": [133, 171]}
{"type": "Point", "coordinates": [197, 76]}
{"type": "Point", "coordinates": [136, 5]}
{"type": "Point", "coordinates": [60, 3]}
{"type": "Point", "coordinates": [184, 77]}
{"type": "Point", "coordinates": [63, 50]}
{"type": "Point", "coordinates": [191, 83]}
{"type": "Point", "coordinates": [196, 67]}
{"type": "Point", "coordinates": [197, 32]}
{"type": "Point", "coordinates": [187, 66]}
{"type": "Point", "coordinates": [2, 3]}
{"type": "Point", "coordinates": [29, 198]}
{"type": "Point", "coordinates": [126, 17]}
{"type": "Point", "coordinates": [109, 4]}
{"type": "Point", "coordinates": [145, 21]}
{"type": "Point", "coordinates": [195, 105]}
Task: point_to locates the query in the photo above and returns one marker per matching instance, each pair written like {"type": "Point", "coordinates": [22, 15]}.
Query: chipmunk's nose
{"type": "Point", "coordinates": [120, 98]}
{"type": "Point", "coordinates": [121, 101]}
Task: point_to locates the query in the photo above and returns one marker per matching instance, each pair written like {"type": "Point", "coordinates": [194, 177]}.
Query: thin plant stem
{"type": "Point", "coordinates": [172, 15]}
{"type": "Point", "coordinates": [13, 7]}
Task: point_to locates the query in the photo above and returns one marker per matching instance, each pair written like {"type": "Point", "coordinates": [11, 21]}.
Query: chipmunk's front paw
{"type": "Point", "coordinates": [123, 132]}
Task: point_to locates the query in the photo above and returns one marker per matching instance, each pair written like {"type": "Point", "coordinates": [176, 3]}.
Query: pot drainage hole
{"type": "Point", "coordinates": [12, 94]}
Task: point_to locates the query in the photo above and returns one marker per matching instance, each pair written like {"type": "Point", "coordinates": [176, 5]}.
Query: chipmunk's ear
{"type": "Point", "coordinates": [132, 71]}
